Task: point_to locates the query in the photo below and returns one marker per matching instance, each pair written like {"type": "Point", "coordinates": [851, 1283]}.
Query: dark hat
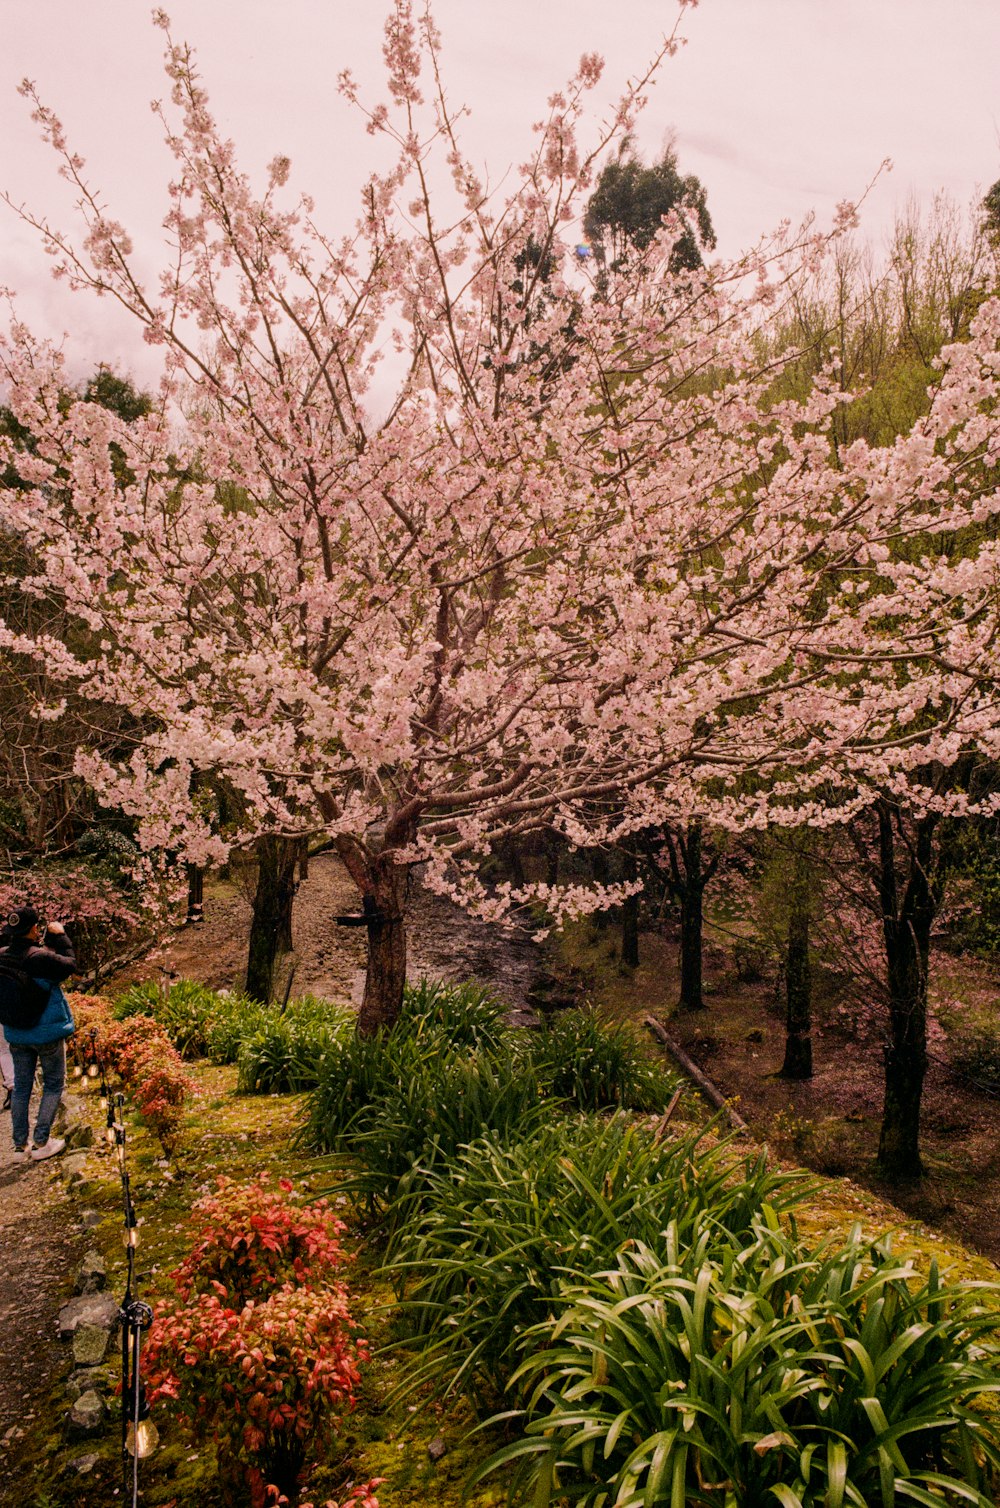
{"type": "Point", "coordinates": [21, 920]}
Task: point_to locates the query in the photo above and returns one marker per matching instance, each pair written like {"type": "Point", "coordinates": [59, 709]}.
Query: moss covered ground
{"type": "Point", "coordinates": [240, 1137]}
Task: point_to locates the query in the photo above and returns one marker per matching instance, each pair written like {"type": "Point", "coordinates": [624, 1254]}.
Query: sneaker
{"type": "Point", "coordinates": [19, 1154]}
{"type": "Point", "coordinates": [52, 1148]}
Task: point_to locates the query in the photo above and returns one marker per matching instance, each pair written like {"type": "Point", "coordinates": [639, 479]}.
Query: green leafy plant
{"type": "Point", "coordinates": [353, 1081]}
{"type": "Point", "coordinates": [429, 1115]}
{"type": "Point", "coordinates": [596, 1064]}
{"type": "Point", "coordinates": [404, 1101]}
{"type": "Point", "coordinates": [460, 1015]}
{"type": "Point", "coordinates": [236, 1019]}
{"type": "Point", "coordinates": [490, 1238]}
{"type": "Point", "coordinates": [185, 1011]}
{"type": "Point", "coordinates": [286, 1051]}
{"type": "Point", "coordinates": [759, 1373]}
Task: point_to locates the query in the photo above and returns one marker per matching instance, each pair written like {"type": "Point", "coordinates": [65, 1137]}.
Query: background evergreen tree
{"type": "Point", "coordinates": [627, 207]}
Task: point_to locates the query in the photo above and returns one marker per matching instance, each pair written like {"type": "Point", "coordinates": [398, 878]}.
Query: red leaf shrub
{"type": "Point", "coordinates": [91, 1012]}
{"type": "Point", "coordinates": [98, 917]}
{"type": "Point", "coordinates": [159, 1089]}
{"type": "Point", "coordinates": [153, 1072]}
{"type": "Point", "coordinates": [147, 1062]}
{"type": "Point", "coordinates": [251, 1238]}
{"type": "Point", "coordinates": [266, 1381]}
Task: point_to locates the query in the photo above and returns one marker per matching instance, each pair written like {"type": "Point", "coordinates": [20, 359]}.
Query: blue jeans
{"type": "Point", "coordinates": [52, 1060]}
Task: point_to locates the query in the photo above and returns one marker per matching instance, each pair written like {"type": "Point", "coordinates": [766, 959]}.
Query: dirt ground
{"type": "Point", "coordinates": [830, 1123]}
{"type": "Point", "coordinates": [41, 1242]}
{"type": "Point", "coordinates": [329, 960]}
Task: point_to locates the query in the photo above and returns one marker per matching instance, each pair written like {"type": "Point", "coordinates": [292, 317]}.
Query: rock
{"type": "Point", "coordinates": [89, 1309]}
{"type": "Point", "coordinates": [103, 1379]}
{"type": "Point", "coordinates": [87, 1414]}
{"type": "Point", "coordinates": [82, 1465]}
{"type": "Point", "coordinates": [74, 1121]}
{"type": "Point", "coordinates": [437, 1449]}
{"type": "Point", "coordinates": [90, 1218]}
{"type": "Point", "coordinates": [90, 1345]}
{"type": "Point", "coordinates": [92, 1273]}
{"type": "Point", "coordinates": [78, 1383]}
{"type": "Point", "coordinates": [75, 1168]}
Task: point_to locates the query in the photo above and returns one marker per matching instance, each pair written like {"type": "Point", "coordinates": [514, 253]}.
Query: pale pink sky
{"type": "Point", "coordinates": [779, 106]}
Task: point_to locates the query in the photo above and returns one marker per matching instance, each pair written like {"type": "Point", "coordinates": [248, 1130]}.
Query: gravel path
{"type": "Point", "coordinates": [40, 1241]}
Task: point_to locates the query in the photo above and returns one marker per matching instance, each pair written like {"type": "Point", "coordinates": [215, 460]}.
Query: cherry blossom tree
{"type": "Point", "coordinates": [585, 571]}
{"type": "Point", "coordinates": [491, 607]}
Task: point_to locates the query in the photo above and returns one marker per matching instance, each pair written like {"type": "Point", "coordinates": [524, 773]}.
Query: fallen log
{"type": "Point", "coordinates": [711, 1091]}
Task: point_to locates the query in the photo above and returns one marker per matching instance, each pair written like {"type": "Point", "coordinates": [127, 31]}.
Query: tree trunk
{"type": "Point", "coordinates": [798, 1062]}
{"type": "Point", "coordinates": [601, 871]}
{"type": "Point", "coordinates": [686, 881]}
{"type": "Point", "coordinates": [304, 860]}
{"type": "Point", "coordinates": [906, 924]}
{"type": "Point", "coordinates": [630, 918]}
{"type": "Point", "coordinates": [386, 972]}
{"type": "Point", "coordinates": [551, 859]}
{"type": "Point", "coordinates": [692, 890]}
{"type": "Point", "coordinates": [691, 997]}
{"type": "Point", "coordinates": [271, 924]}
{"type": "Point", "coordinates": [196, 895]}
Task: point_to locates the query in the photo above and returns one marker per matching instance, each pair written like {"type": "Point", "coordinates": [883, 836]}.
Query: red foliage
{"type": "Point", "coordinates": [252, 1238]}
{"type": "Point", "coordinates": [91, 1012]}
{"type": "Point", "coordinates": [265, 1381]}
{"type": "Point", "coordinates": [147, 1062]}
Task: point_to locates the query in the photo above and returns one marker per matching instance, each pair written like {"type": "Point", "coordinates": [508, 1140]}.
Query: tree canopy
{"type": "Point", "coordinates": [630, 202]}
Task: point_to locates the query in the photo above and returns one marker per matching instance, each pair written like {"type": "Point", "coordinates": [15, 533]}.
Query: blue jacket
{"type": "Point", "coordinates": [49, 965]}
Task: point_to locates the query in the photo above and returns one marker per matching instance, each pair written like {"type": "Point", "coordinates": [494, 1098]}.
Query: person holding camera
{"type": "Point", "coordinates": [49, 959]}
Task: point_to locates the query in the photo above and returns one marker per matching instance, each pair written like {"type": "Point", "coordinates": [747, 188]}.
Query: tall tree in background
{"type": "Point", "coordinates": [690, 869]}
{"type": "Point", "coordinates": [630, 201]}
{"type": "Point", "coordinates": [991, 210]}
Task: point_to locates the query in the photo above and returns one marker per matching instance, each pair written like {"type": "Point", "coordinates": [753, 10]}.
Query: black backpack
{"type": "Point", "coordinates": [22, 997]}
